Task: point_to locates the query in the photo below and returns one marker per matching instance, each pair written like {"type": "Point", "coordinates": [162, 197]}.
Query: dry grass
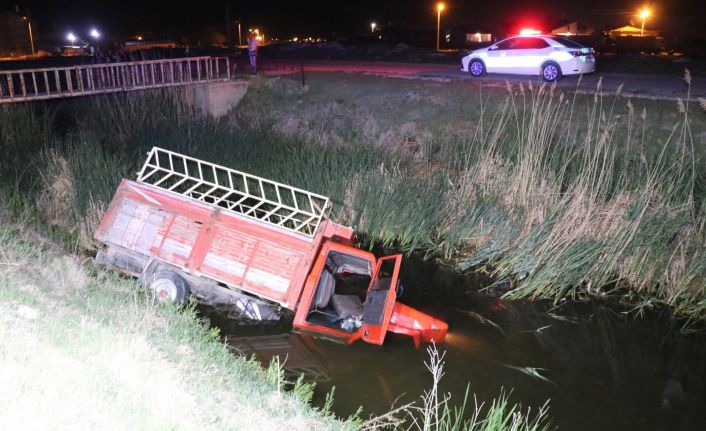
{"type": "Point", "coordinates": [57, 198]}
{"type": "Point", "coordinates": [436, 410]}
{"type": "Point", "coordinates": [85, 350]}
{"type": "Point", "coordinates": [571, 194]}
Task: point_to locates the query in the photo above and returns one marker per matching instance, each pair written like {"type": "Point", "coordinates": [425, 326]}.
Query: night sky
{"type": "Point", "coordinates": [325, 18]}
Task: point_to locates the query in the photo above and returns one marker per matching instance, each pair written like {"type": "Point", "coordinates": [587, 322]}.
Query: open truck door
{"type": "Point", "coordinates": [380, 301]}
{"type": "Point", "coordinates": [382, 312]}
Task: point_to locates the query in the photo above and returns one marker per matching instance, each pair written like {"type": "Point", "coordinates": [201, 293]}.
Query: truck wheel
{"type": "Point", "coordinates": [168, 286]}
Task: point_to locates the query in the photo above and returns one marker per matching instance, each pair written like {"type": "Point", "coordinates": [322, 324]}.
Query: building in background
{"type": "Point", "coordinates": [634, 39]}
{"type": "Point", "coordinates": [629, 30]}
{"type": "Point", "coordinates": [478, 37]}
{"type": "Point", "coordinates": [573, 28]}
{"type": "Point", "coordinates": [15, 38]}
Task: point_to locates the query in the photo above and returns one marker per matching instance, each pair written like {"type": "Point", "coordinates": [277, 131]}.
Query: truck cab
{"type": "Point", "coordinates": [351, 295]}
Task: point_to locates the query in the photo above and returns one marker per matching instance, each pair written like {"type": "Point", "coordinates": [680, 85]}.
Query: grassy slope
{"type": "Point", "coordinates": [86, 350]}
{"type": "Point", "coordinates": [116, 360]}
{"type": "Point", "coordinates": [571, 194]}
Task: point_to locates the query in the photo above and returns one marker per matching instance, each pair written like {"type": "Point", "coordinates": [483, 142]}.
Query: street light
{"type": "Point", "coordinates": [95, 34]}
{"type": "Point", "coordinates": [439, 8]}
{"type": "Point", "coordinates": [643, 14]}
{"type": "Point", "coordinates": [240, 35]}
{"type": "Point", "coordinates": [31, 37]}
{"type": "Point", "coordinates": [71, 37]}
{"type": "Point", "coordinates": [372, 27]}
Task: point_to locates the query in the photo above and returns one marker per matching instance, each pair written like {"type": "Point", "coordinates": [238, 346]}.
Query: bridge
{"type": "Point", "coordinates": [90, 79]}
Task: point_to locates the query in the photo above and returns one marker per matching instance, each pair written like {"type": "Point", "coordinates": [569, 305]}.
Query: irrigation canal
{"type": "Point", "coordinates": [600, 369]}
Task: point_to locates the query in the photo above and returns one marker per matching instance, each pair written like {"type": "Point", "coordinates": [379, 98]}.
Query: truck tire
{"type": "Point", "coordinates": [168, 286]}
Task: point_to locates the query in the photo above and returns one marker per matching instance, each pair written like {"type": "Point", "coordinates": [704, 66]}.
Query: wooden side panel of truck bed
{"type": "Point", "coordinates": [205, 240]}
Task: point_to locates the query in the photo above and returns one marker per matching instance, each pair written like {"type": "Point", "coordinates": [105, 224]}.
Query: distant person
{"type": "Point", "coordinates": [252, 50]}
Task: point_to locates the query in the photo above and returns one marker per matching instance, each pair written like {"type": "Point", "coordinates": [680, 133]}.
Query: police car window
{"type": "Point", "coordinates": [566, 42]}
{"type": "Point", "coordinates": [507, 44]}
{"type": "Point", "coordinates": [531, 43]}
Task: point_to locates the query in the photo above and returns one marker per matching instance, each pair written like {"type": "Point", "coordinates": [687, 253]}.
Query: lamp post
{"type": "Point", "coordinates": [439, 8]}
{"type": "Point", "coordinates": [31, 37]}
{"type": "Point", "coordinates": [240, 35]}
{"type": "Point", "coordinates": [643, 14]}
{"type": "Point", "coordinates": [71, 37]}
{"type": "Point", "coordinates": [372, 27]}
{"type": "Point", "coordinates": [95, 34]}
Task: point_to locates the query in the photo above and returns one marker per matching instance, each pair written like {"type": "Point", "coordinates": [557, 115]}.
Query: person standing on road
{"type": "Point", "coordinates": [252, 50]}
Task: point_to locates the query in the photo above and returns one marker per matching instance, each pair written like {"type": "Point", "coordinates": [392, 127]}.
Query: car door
{"type": "Point", "coordinates": [498, 60]}
{"type": "Point", "coordinates": [380, 300]}
{"type": "Point", "coordinates": [527, 55]}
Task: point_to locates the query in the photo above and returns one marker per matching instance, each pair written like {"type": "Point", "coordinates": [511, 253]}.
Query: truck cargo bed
{"type": "Point", "coordinates": [205, 240]}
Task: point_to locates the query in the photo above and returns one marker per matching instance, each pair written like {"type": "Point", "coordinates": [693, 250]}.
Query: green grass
{"type": "Point", "coordinates": [569, 194]}
{"type": "Point", "coordinates": [436, 411]}
{"type": "Point", "coordinates": [96, 352]}
{"type": "Point", "coordinates": [85, 349]}
{"type": "Point", "coordinates": [90, 344]}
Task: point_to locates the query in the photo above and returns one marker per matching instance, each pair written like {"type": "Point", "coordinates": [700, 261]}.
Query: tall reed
{"type": "Point", "coordinates": [566, 194]}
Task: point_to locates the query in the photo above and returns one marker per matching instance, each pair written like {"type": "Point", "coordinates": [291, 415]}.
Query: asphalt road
{"type": "Point", "coordinates": [663, 87]}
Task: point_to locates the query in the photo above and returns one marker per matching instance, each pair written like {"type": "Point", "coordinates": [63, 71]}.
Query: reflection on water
{"type": "Point", "coordinates": [600, 369]}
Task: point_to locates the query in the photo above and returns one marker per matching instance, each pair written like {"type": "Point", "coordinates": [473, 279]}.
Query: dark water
{"type": "Point", "coordinates": [603, 370]}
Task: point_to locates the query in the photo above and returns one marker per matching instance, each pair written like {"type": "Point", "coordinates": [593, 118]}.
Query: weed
{"type": "Point", "coordinates": [570, 194]}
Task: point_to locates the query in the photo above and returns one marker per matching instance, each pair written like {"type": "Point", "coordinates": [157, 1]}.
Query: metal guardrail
{"type": "Point", "coordinates": [269, 67]}
{"type": "Point", "coordinates": [58, 82]}
{"type": "Point", "coordinates": [268, 201]}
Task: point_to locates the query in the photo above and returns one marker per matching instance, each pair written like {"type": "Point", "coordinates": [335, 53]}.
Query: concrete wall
{"type": "Point", "coordinates": [217, 98]}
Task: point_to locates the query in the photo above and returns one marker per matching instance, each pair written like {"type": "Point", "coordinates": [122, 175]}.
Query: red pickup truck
{"type": "Point", "coordinates": [189, 227]}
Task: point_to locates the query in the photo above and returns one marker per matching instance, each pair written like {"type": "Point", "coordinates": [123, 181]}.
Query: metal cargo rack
{"type": "Point", "coordinates": [258, 198]}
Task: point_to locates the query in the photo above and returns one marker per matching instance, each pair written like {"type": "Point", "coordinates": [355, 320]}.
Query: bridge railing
{"type": "Point", "coordinates": [57, 82]}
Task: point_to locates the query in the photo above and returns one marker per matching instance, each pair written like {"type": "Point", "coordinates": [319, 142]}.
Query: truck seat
{"type": "Point", "coordinates": [324, 290]}
{"type": "Point", "coordinates": [347, 305]}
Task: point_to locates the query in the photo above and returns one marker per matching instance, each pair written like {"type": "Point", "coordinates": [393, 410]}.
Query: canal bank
{"type": "Point", "coordinates": [86, 349]}
{"type": "Point", "coordinates": [423, 184]}
{"type": "Point", "coordinates": [562, 195]}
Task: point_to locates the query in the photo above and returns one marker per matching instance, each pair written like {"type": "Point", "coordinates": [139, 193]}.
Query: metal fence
{"type": "Point", "coordinates": [58, 82]}
{"type": "Point", "coordinates": [270, 67]}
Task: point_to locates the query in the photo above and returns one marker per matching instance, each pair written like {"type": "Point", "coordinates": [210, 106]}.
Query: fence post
{"type": "Point", "coordinates": [22, 84]}
{"type": "Point", "coordinates": [302, 71]}
{"type": "Point", "coordinates": [34, 83]}
{"type": "Point", "coordinates": [10, 86]}
{"type": "Point", "coordinates": [58, 82]}
{"type": "Point", "coordinates": [46, 83]}
{"type": "Point", "coordinates": [79, 79]}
